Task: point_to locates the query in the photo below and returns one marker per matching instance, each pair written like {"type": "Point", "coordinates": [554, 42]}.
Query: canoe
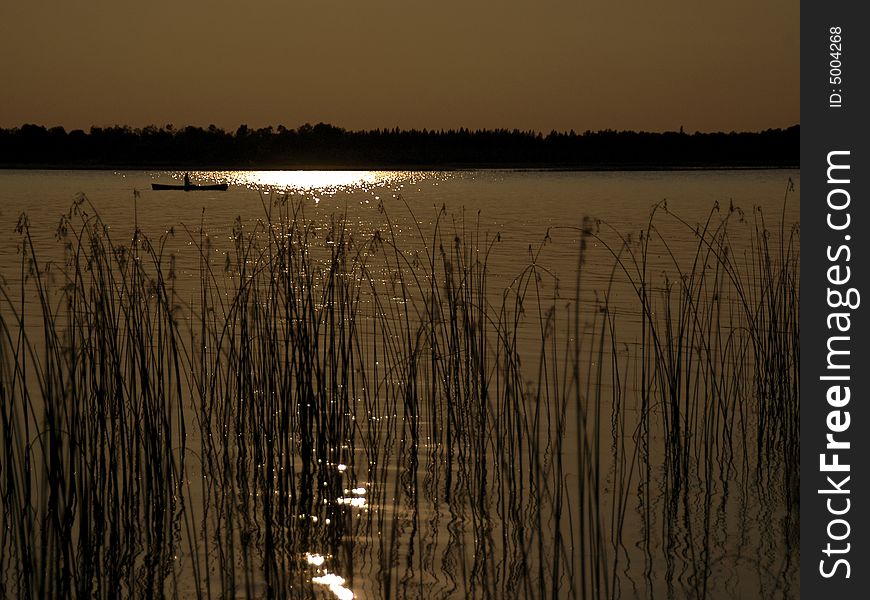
{"type": "Point", "coordinates": [220, 187]}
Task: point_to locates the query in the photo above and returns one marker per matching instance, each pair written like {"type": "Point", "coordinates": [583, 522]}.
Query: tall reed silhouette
{"type": "Point", "coordinates": [386, 413]}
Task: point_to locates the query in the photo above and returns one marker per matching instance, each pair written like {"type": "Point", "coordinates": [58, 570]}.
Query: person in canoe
{"type": "Point", "coordinates": [187, 180]}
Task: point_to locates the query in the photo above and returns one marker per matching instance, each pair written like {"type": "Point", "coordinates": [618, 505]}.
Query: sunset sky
{"type": "Point", "coordinates": [549, 64]}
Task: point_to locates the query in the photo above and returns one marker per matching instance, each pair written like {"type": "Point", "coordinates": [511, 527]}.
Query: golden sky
{"type": "Point", "coordinates": [543, 64]}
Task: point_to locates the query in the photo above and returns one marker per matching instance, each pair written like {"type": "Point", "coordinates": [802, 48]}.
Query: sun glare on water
{"type": "Point", "coordinates": [335, 583]}
{"type": "Point", "coordinates": [324, 182]}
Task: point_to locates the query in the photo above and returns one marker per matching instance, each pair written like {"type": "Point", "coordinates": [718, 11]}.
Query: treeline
{"type": "Point", "coordinates": [328, 146]}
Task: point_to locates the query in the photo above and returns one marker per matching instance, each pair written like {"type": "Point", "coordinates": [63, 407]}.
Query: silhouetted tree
{"type": "Point", "coordinates": [324, 144]}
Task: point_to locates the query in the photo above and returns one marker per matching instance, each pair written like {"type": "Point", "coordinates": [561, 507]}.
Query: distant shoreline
{"type": "Point", "coordinates": [421, 168]}
{"type": "Point", "coordinates": [325, 147]}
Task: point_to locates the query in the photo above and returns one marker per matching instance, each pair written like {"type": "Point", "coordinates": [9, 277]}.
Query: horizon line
{"type": "Point", "coordinates": [171, 127]}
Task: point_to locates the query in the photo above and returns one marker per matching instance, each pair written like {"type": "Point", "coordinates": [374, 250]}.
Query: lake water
{"type": "Point", "coordinates": [519, 204]}
{"type": "Point", "coordinates": [445, 428]}
{"type": "Point", "coordinates": [520, 207]}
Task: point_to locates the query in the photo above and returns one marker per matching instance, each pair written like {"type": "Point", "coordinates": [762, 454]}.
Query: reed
{"type": "Point", "coordinates": [93, 436]}
{"type": "Point", "coordinates": [396, 412]}
{"type": "Point", "coordinates": [716, 372]}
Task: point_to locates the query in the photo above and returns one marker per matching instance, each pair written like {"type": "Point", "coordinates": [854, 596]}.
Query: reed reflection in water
{"type": "Point", "coordinates": [338, 413]}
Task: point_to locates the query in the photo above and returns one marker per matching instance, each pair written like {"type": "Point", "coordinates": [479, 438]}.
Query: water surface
{"type": "Point", "coordinates": [477, 434]}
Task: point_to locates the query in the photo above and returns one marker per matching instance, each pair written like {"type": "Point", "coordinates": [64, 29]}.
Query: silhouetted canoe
{"type": "Point", "coordinates": [218, 187]}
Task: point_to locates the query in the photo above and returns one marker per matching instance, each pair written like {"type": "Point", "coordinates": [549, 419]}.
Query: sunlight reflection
{"type": "Point", "coordinates": [315, 559]}
{"type": "Point", "coordinates": [355, 502]}
{"type": "Point", "coordinates": [336, 585]}
{"type": "Point", "coordinates": [331, 580]}
{"type": "Point", "coordinates": [325, 182]}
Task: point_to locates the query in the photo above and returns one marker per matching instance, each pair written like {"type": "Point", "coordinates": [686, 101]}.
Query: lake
{"type": "Point", "coordinates": [519, 204]}
{"type": "Point", "coordinates": [413, 384]}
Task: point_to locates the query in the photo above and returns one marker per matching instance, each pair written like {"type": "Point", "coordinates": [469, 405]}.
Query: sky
{"type": "Point", "coordinates": [365, 64]}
